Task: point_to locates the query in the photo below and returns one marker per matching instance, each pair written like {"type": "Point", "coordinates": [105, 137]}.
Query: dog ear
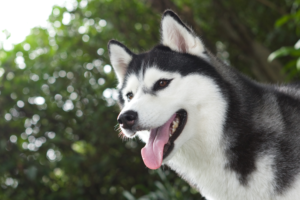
{"type": "Point", "coordinates": [176, 35]}
{"type": "Point", "coordinates": [120, 57]}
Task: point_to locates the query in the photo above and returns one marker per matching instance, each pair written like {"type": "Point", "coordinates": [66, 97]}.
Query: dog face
{"type": "Point", "coordinates": [163, 91]}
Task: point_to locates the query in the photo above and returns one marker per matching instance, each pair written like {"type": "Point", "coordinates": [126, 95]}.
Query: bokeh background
{"type": "Point", "coordinates": [58, 137]}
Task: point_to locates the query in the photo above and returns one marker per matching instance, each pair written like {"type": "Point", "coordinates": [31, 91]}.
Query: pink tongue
{"type": "Point", "coordinates": [152, 153]}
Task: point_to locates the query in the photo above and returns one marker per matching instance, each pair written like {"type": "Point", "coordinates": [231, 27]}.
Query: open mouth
{"type": "Point", "coordinates": [176, 128]}
{"type": "Point", "coordinates": [161, 140]}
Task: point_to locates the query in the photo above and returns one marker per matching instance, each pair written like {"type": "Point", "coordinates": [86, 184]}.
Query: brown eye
{"type": "Point", "coordinates": [129, 96]}
{"type": "Point", "coordinates": [160, 84]}
{"type": "Point", "coordinates": [163, 83]}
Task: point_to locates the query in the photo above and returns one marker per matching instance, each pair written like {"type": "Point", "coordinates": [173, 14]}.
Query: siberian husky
{"type": "Point", "coordinates": [230, 137]}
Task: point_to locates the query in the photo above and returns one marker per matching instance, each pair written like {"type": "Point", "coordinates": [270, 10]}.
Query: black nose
{"type": "Point", "coordinates": [127, 119]}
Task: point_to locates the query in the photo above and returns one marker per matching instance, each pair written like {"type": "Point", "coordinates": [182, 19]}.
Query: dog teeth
{"type": "Point", "coordinates": [175, 125]}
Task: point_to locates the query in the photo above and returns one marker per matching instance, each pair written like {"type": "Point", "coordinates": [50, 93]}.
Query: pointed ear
{"type": "Point", "coordinates": [176, 35]}
{"type": "Point", "coordinates": [120, 57]}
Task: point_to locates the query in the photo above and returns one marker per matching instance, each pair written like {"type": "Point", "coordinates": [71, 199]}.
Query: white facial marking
{"type": "Point", "coordinates": [155, 110]}
{"type": "Point", "coordinates": [132, 85]}
{"type": "Point", "coordinates": [151, 110]}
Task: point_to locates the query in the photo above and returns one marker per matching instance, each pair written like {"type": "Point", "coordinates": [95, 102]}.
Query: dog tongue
{"type": "Point", "coordinates": [152, 153]}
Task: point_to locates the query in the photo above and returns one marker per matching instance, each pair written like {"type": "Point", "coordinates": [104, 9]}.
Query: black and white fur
{"type": "Point", "coordinates": [241, 140]}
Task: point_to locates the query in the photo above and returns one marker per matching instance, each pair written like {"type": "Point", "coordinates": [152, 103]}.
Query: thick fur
{"type": "Point", "coordinates": [241, 140]}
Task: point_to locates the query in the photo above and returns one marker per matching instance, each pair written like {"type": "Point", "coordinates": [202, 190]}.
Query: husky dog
{"type": "Point", "coordinates": [230, 137]}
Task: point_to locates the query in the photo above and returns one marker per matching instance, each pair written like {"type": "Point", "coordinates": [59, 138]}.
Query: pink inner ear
{"type": "Point", "coordinates": [181, 44]}
{"type": "Point", "coordinates": [122, 66]}
{"type": "Point", "coordinates": [177, 39]}
{"type": "Point", "coordinates": [122, 63]}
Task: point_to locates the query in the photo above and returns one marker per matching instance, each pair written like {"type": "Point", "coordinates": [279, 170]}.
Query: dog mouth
{"type": "Point", "coordinates": [176, 128]}
{"type": "Point", "coordinates": [161, 140]}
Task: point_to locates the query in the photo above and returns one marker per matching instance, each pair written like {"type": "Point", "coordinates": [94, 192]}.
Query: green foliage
{"type": "Point", "coordinates": [58, 108]}
{"type": "Point", "coordinates": [292, 67]}
{"type": "Point", "coordinates": [165, 190]}
{"type": "Point", "coordinates": [292, 21]}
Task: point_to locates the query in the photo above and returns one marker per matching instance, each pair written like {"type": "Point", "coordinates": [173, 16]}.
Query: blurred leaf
{"type": "Point", "coordinates": [298, 64]}
{"type": "Point", "coordinates": [83, 147]}
{"type": "Point", "coordinates": [283, 51]}
{"type": "Point", "coordinates": [128, 196]}
{"type": "Point", "coordinates": [297, 45]}
{"type": "Point", "coordinates": [281, 21]}
{"type": "Point", "coordinates": [161, 174]}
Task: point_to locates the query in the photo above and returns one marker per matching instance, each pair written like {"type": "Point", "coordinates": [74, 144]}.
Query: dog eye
{"type": "Point", "coordinates": [129, 96]}
{"type": "Point", "coordinates": [163, 83]}
{"type": "Point", "coordinates": [160, 84]}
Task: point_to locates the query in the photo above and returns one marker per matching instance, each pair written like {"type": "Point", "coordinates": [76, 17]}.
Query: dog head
{"type": "Point", "coordinates": [165, 91]}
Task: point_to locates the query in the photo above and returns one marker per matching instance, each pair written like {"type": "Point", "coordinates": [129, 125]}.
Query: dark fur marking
{"type": "Point", "coordinates": [288, 159]}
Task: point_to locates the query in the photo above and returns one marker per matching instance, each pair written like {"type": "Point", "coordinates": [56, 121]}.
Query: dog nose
{"type": "Point", "coordinates": [127, 119]}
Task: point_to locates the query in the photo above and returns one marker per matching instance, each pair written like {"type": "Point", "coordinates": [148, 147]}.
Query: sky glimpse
{"type": "Point", "coordinates": [17, 17]}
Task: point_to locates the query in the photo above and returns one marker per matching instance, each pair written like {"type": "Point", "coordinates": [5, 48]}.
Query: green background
{"type": "Point", "coordinates": [58, 136]}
